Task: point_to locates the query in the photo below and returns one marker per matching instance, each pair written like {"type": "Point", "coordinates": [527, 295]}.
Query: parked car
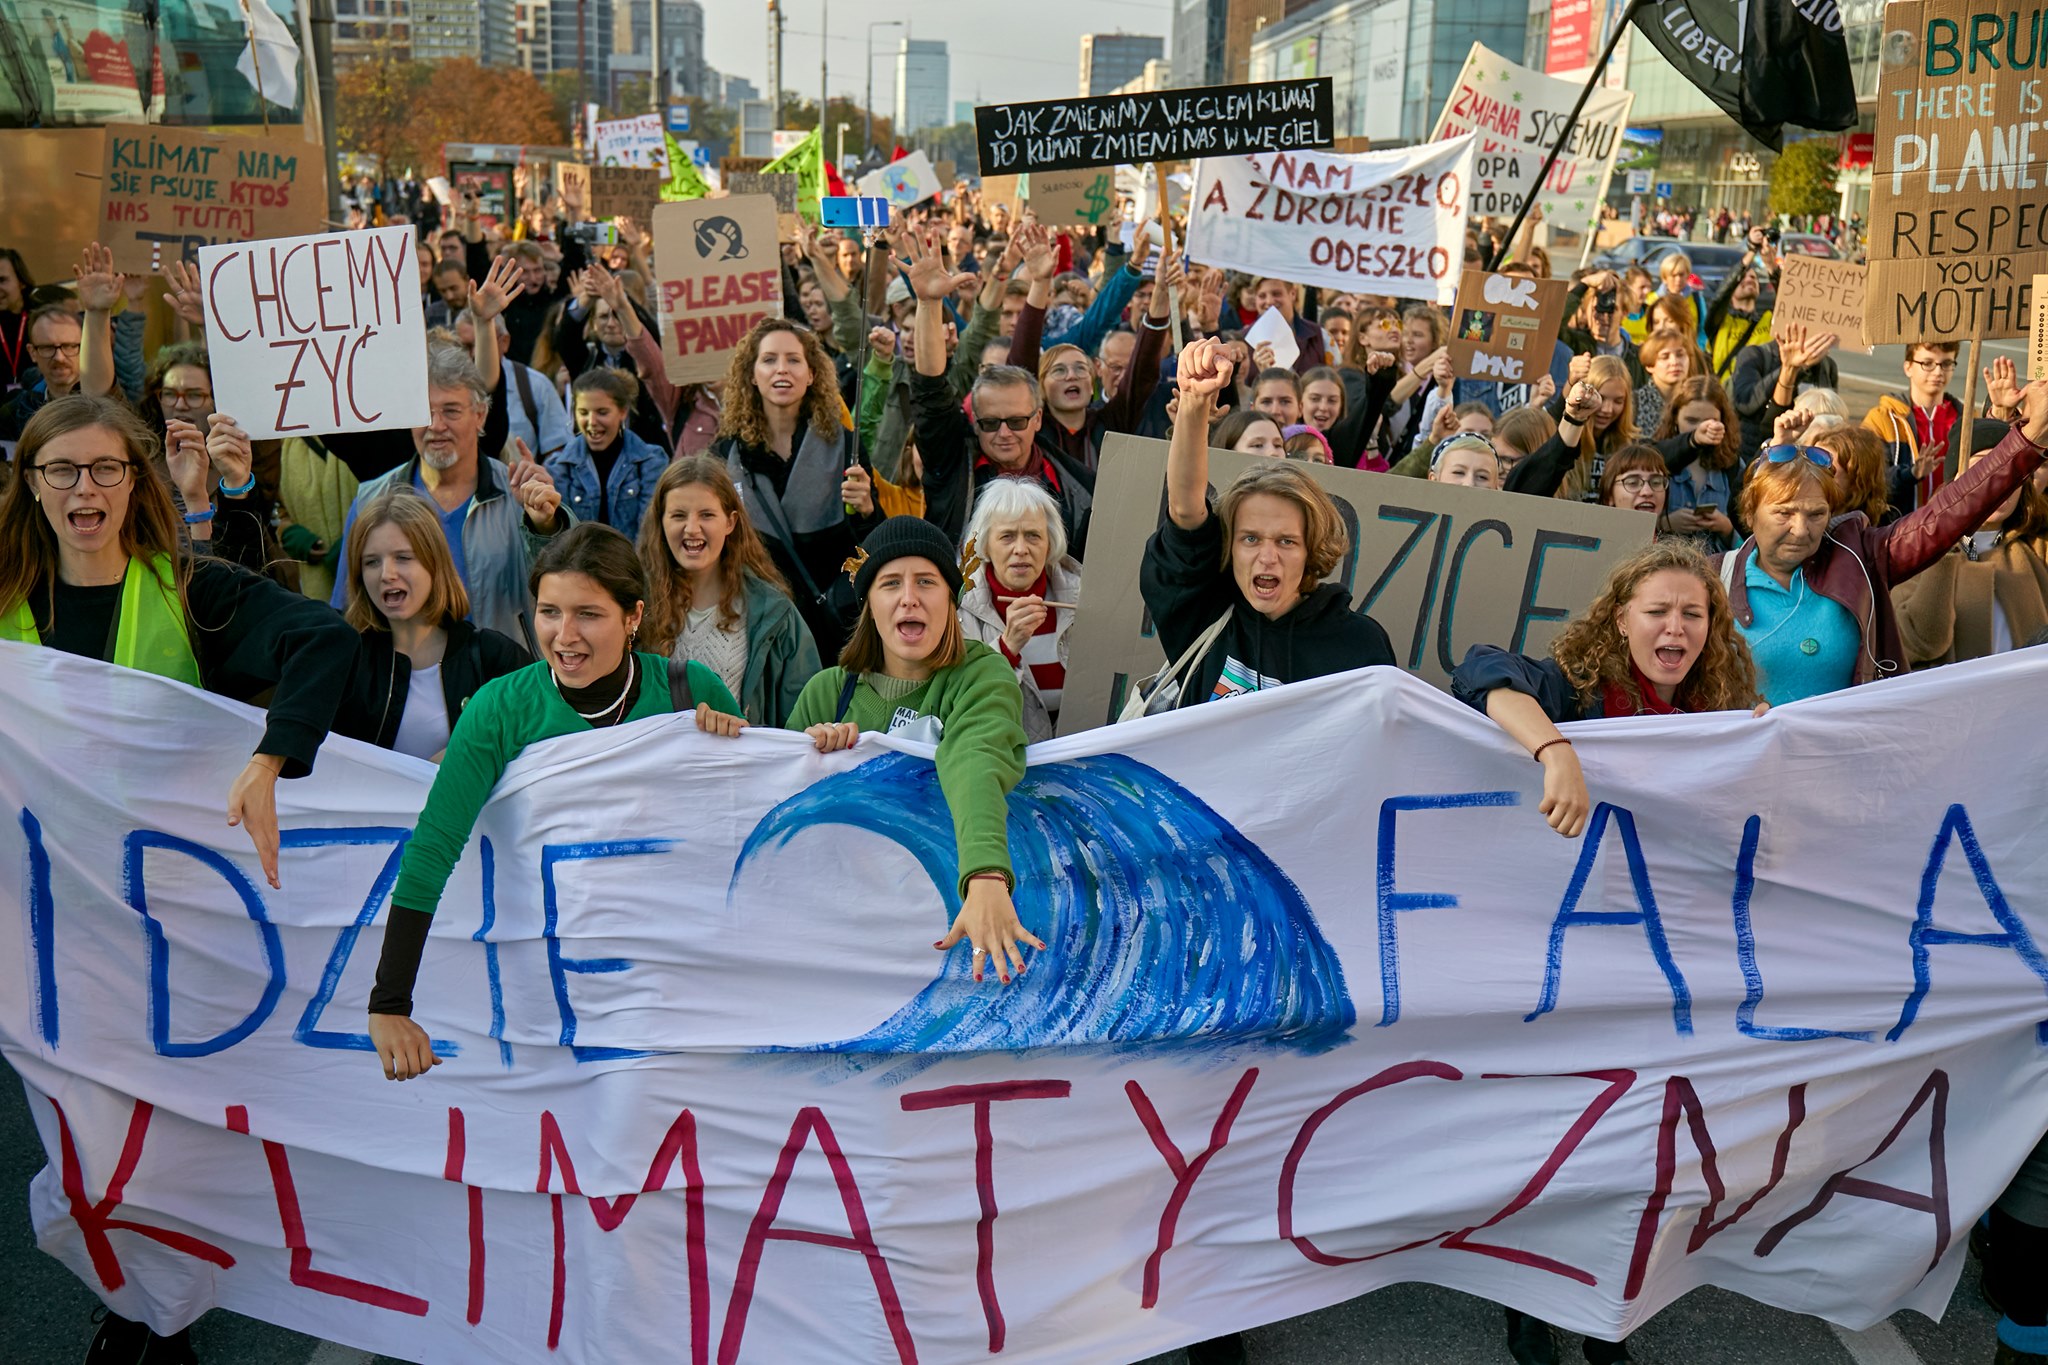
{"type": "Point", "coordinates": [1709, 261]}
{"type": "Point", "coordinates": [1807, 244]}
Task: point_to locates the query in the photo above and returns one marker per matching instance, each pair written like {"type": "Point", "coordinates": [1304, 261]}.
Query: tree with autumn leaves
{"type": "Point", "coordinates": [401, 111]}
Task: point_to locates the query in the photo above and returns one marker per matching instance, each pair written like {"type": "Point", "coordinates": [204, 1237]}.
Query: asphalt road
{"type": "Point", "coordinates": [45, 1315]}
{"type": "Point", "coordinates": [1864, 377]}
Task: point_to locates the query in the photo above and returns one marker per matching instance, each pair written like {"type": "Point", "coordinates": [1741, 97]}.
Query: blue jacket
{"type": "Point", "coordinates": [629, 488]}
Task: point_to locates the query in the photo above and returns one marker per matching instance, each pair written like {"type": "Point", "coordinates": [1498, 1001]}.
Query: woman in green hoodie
{"type": "Point", "coordinates": [589, 595]}
{"type": "Point", "coordinates": [909, 668]}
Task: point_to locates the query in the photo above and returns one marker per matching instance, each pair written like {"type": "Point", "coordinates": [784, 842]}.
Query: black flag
{"type": "Point", "coordinates": [1764, 63]}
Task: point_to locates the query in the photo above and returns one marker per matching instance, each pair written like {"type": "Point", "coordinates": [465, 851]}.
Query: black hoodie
{"type": "Point", "coordinates": [1186, 587]}
{"type": "Point", "coordinates": [379, 686]}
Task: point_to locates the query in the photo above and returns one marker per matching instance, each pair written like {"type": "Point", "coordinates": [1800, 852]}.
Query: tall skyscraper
{"type": "Point", "coordinates": [1108, 60]}
{"type": "Point", "coordinates": [923, 86]}
{"type": "Point", "coordinates": [682, 35]}
{"type": "Point", "coordinates": [480, 29]}
{"type": "Point", "coordinates": [597, 41]}
{"type": "Point", "coordinates": [362, 28]}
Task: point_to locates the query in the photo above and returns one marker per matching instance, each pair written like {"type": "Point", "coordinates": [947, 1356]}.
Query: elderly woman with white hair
{"type": "Point", "coordinates": [1021, 588]}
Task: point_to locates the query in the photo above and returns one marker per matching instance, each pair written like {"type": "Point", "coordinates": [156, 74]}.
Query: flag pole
{"type": "Point", "coordinates": [1628, 14]}
{"type": "Point", "coordinates": [256, 65]}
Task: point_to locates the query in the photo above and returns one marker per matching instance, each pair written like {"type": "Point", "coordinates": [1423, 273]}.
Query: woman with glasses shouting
{"type": "Point", "coordinates": [1815, 602]}
{"type": "Point", "coordinates": [91, 563]}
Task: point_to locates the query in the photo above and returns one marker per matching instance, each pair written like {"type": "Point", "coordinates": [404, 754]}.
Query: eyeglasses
{"type": "Point", "coordinates": [987, 425]}
{"type": "Point", "coordinates": [187, 398]}
{"type": "Point", "coordinates": [63, 474]}
{"type": "Point", "coordinates": [1640, 483]}
{"type": "Point", "coordinates": [1788, 453]}
{"type": "Point", "coordinates": [72, 348]}
{"type": "Point", "coordinates": [1933, 366]}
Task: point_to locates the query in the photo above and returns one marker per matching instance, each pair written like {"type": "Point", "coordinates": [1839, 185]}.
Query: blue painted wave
{"type": "Point", "coordinates": [1162, 923]}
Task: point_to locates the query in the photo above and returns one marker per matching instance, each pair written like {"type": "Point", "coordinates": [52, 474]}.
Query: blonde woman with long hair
{"type": "Point", "coordinates": [1599, 419]}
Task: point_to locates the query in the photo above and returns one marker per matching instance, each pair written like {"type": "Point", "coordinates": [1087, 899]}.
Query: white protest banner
{"type": "Point", "coordinates": [1519, 114]}
{"type": "Point", "coordinates": [1375, 222]}
{"type": "Point", "coordinates": [904, 182]}
{"type": "Point", "coordinates": [1767, 1025]}
{"type": "Point", "coordinates": [718, 272]}
{"type": "Point", "coordinates": [639, 141]}
{"type": "Point", "coordinates": [311, 335]}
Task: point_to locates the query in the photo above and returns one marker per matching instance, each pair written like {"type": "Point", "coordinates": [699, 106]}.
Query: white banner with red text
{"type": "Point", "coordinates": [1371, 222]}
{"type": "Point", "coordinates": [1326, 1006]}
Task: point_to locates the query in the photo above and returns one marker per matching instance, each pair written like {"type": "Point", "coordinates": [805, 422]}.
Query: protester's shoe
{"type": "Point", "coordinates": [1224, 1350]}
{"type": "Point", "coordinates": [2019, 1345]}
{"type": "Point", "coordinates": [2008, 1356]}
{"type": "Point", "coordinates": [1607, 1352]}
{"type": "Point", "coordinates": [121, 1342]}
{"type": "Point", "coordinates": [1531, 1340]}
{"type": "Point", "coordinates": [1980, 1247]}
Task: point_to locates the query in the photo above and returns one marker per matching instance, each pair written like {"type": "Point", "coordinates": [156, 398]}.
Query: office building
{"type": "Point", "coordinates": [596, 41]}
{"type": "Point", "coordinates": [1391, 62]}
{"type": "Point", "coordinates": [739, 91]}
{"type": "Point", "coordinates": [482, 30]}
{"type": "Point", "coordinates": [963, 111]}
{"type": "Point", "coordinates": [1109, 60]}
{"type": "Point", "coordinates": [924, 88]}
{"type": "Point", "coordinates": [365, 28]}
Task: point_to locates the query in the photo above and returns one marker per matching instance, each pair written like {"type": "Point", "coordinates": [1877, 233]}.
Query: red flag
{"type": "Point", "coordinates": [900, 153]}
{"type": "Point", "coordinates": [834, 185]}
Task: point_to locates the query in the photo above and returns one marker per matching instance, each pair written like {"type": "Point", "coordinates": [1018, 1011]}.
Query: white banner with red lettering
{"type": "Point", "coordinates": [1326, 1006]}
{"type": "Point", "coordinates": [1373, 222]}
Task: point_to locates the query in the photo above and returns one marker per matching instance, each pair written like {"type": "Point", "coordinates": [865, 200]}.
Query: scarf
{"type": "Point", "coordinates": [1616, 701]}
{"type": "Point", "coordinates": [1042, 651]}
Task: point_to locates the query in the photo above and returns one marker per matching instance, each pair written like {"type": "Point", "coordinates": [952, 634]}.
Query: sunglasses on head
{"type": "Point", "coordinates": [1812, 454]}
{"type": "Point", "coordinates": [988, 425]}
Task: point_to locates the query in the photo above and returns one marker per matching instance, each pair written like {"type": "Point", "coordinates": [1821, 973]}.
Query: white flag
{"type": "Point", "coordinates": [270, 45]}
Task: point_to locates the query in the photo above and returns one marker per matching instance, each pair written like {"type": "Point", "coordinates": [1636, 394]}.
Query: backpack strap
{"type": "Point", "coordinates": [845, 697]}
{"type": "Point", "coordinates": [526, 401]}
{"type": "Point", "coordinates": [680, 697]}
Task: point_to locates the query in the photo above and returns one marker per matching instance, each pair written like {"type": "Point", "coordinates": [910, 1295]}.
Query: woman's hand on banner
{"type": "Point", "coordinates": [1566, 803]}
{"type": "Point", "coordinates": [252, 804]}
{"type": "Point", "coordinates": [402, 1046]}
{"type": "Point", "coordinates": [832, 736]}
{"type": "Point", "coordinates": [715, 722]}
{"type": "Point", "coordinates": [988, 920]}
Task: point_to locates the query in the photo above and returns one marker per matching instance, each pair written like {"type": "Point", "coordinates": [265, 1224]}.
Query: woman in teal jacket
{"type": "Point", "coordinates": [908, 667]}
{"type": "Point", "coordinates": [715, 595]}
{"type": "Point", "coordinates": [590, 595]}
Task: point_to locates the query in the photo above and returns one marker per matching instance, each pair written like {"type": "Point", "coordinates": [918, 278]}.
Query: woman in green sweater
{"type": "Point", "coordinates": [908, 668]}
{"type": "Point", "coordinates": [589, 594]}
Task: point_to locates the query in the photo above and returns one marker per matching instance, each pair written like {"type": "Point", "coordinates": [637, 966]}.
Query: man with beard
{"type": "Point", "coordinates": [496, 519]}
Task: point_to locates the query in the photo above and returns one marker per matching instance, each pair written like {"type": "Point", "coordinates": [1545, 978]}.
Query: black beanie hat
{"type": "Point", "coordinates": [901, 538]}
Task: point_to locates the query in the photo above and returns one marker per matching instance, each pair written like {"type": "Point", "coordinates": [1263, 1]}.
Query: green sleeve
{"type": "Point", "coordinates": [874, 393]}
{"type": "Point", "coordinates": [478, 750]}
{"type": "Point", "coordinates": [981, 330]}
{"type": "Point", "coordinates": [707, 686]}
{"type": "Point", "coordinates": [848, 322]}
{"type": "Point", "coordinates": [981, 757]}
{"type": "Point", "coordinates": [815, 704]}
{"type": "Point", "coordinates": [892, 427]}
{"type": "Point", "coordinates": [1415, 464]}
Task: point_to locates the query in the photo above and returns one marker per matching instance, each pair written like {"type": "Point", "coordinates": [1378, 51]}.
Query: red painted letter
{"type": "Point", "coordinates": [1185, 1172]}
{"type": "Point", "coordinates": [762, 1230]}
{"type": "Point", "coordinates": [96, 1220]}
{"type": "Point", "coordinates": [1680, 1096]}
{"type": "Point", "coordinates": [451, 1171]}
{"type": "Point", "coordinates": [1393, 1075]}
{"type": "Point", "coordinates": [982, 1097]}
{"type": "Point", "coordinates": [289, 1218]}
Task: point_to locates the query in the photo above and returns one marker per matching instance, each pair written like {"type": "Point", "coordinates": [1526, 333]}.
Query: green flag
{"type": "Point", "coordinates": [805, 161]}
{"type": "Point", "coordinates": [683, 180]}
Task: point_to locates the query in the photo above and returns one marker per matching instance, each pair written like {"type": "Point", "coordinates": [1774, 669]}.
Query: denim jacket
{"type": "Point", "coordinates": [630, 486]}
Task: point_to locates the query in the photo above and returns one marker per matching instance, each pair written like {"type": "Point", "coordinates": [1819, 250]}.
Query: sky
{"type": "Point", "coordinates": [1000, 49]}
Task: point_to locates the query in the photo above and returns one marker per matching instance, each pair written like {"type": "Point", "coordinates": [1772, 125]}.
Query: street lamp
{"type": "Point", "coordinates": [903, 24]}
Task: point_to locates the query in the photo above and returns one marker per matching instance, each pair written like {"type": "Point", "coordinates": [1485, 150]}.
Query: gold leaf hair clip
{"type": "Point", "coordinates": [852, 566]}
{"type": "Point", "coordinates": [970, 562]}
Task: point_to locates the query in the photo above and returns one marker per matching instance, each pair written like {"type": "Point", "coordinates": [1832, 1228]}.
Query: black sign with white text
{"type": "Point", "coordinates": [1160, 125]}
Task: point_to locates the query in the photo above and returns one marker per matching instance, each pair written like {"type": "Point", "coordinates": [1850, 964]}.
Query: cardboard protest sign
{"type": "Point", "coordinates": [623, 191]}
{"type": "Point", "coordinates": [1377, 223]}
{"type": "Point", "coordinates": [777, 185]}
{"type": "Point", "coordinates": [1959, 221]}
{"type": "Point", "coordinates": [1505, 326]}
{"type": "Point", "coordinates": [1320, 933]}
{"type": "Point", "coordinates": [904, 182]}
{"type": "Point", "coordinates": [1165, 125]}
{"type": "Point", "coordinates": [1064, 198]}
{"type": "Point", "coordinates": [729, 166]}
{"type": "Point", "coordinates": [1441, 567]}
{"type": "Point", "coordinates": [311, 335]}
{"type": "Point", "coordinates": [639, 141]}
{"type": "Point", "coordinates": [2037, 357]}
{"type": "Point", "coordinates": [1823, 296]}
{"type": "Point", "coordinates": [1518, 114]}
{"type": "Point", "coordinates": [720, 272]}
{"type": "Point", "coordinates": [166, 192]}
{"type": "Point", "coordinates": [1002, 189]}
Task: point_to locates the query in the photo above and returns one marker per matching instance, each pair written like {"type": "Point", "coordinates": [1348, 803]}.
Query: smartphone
{"type": "Point", "coordinates": [852, 211]}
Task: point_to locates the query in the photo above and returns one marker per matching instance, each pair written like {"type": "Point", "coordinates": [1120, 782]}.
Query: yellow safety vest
{"type": "Point", "coordinates": [150, 635]}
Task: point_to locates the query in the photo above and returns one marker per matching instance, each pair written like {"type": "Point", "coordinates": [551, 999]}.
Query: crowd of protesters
{"type": "Point", "coordinates": [879, 519]}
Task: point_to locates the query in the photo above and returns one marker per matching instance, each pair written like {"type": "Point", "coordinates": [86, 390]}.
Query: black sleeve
{"type": "Point", "coordinates": [398, 966]}
{"type": "Point", "coordinates": [1678, 451]}
{"type": "Point", "coordinates": [497, 424]}
{"type": "Point", "coordinates": [1724, 297]}
{"type": "Point", "coordinates": [945, 441]}
{"type": "Point", "coordinates": [500, 654]}
{"type": "Point", "coordinates": [239, 527]}
{"type": "Point", "coordinates": [1541, 472]}
{"type": "Point", "coordinates": [1487, 667]}
{"type": "Point", "coordinates": [570, 346]}
{"type": "Point", "coordinates": [370, 453]}
{"type": "Point", "coordinates": [476, 258]}
{"type": "Point", "coordinates": [253, 636]}
{"type": "Point", "coordinates": [1183, 582]}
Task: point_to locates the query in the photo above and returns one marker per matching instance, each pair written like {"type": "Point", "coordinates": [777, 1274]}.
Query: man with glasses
{"type": "Point", "coordinates": [55, 340]}
{"type": "Point", "coordinates": [1915, 428]}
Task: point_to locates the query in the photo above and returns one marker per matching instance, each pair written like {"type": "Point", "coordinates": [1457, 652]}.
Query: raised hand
{"type": "Point", "coordinates": [857, 490]}
{"type": "Point", "coordinates": [1578, 369]}
{"type": "Point", "coordinates": [2033, 411]}
{"type": "Point", "coordinates": [1543, 390]}
{"type": "Point", "coordinates": [501, 285]}
{"type": "Point", "coordinates": [1041, 260]}
{"type": "Point", "coordinates": [881, 341]}
{"type": "Point", "coordinates": [534, 487]}
{"type": "Point", "coordinates": [1375, 361]}
{"type": "Point", "coordinates": [2002, 386]}
{"type": "Point", "coordinates": [229, 450]}
{"type": "Point", "coordinates": [182, 292]}
{"type": "Point", "coordinates": [1710, 433]}
{"type": "Point", "coordinates": [1581, 402]}
{"type": "Point", "coordinates": [99, 285]}
{"type": "Point", "coordinates": [1790, 425]}
{"type": "Point", "coordinates": [930, 281]}
{"type": "Point", "coordinates": [185, 454]}
{"type": "Point", "coordinates": [1204, 368]}
{"type": "Point", "coordinates": [1439, 366]}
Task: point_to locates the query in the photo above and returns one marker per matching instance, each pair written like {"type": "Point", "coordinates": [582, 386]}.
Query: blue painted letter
{"type": "Point", "coordinates": [2014, 936]}
{"type": "Point", "coordinates": [1745, 953]}
{"type": "Point", "coordinates": [1569, 914]}
{"type": "Point", "coordinates": [138, 842]}
{"type": "Point", "coordinates": [560, 966]}
{"type": "Point", "coordinates": [1392, 902]}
